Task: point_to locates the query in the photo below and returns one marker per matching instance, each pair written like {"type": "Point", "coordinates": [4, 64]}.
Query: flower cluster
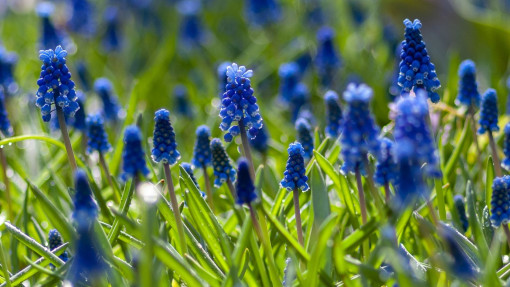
{"type": "Point", "coordinates": [223, 170]}
{"type": "Point", "coordinates": [104, 89]}
{"type": "Point", "coordinates": [294, 175]}
{"type": "Point", "coordinates": [416, 70]}
{"type": "Point", "coordinates": [458, 200]}
{"type": "Point", "coordinates": [239, 104]}
{"type": "Point", "coordinates": [55, 241]}
{"type": "Point", "coordinates": [188, 168]}
{"type": "Point", "coordinates": [289, 78]}
{"type": "Point", "coordinates": [386, 169]}
{"type": "Point", "coordinates": [191, 31]}
{"type": "Point", "coordinates": [304, 137]}
{"type": "Point", "coordinates": [461, 264]}
{"type": "Point", "coordinates": [55, 84]}
{"type": "Point", "coordinates": [133, 156]}
{"type": "Point", "coordinates": [83, 76]}
{"type": "Point", "coordinates": [7, 62]}
{"type": "Point", "coordinates": [202, 149]}
{"type": "Point", "coordinates": [112, 40]}
{"type": "Point", "coordinates": [500, 201]}
{"type": "Point", "coordinates": [506, 148]}
{"type": "Point", "coordinates": [260, 142]}
{"type": "Point", "coordinates": [244, 184]}
{"type": "Point", "coordinates": [360, 132]}
{"type": "Point", "coordinates": [333, 114]}
{"type": "Point", "coordinates": [327, 60]}
{"type": "Point", "coordinates": [50, 36]}
{"type": "Point", "coordinates": [97, 139]}
{"type": "Point", "coordinates": [78, 122]}
{"type": "Point", "coordinates": [85, 207]}
{"type": "Point", "coordinates": [165, 147]}
{"type": "Point", "coordinates": [468, 87]}
{"type": "Point", "coordinates": [222, 77]}
{"type": "Point", "coordinates": [5, 124]}
{"type": "Point", "coordinates": [82, 20]}
{"type": "Point", "coordinates": [489, 112]}
{"type": "Point", "coordinates": [262, 12]}
{"type": "Point", "coordinates": [299, 101]}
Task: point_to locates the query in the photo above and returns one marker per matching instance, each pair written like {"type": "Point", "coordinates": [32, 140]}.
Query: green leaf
{"type": "Point", "coordinates": [320, 198]}
{"type": "Point", "coordinates": [474, 222]}
{"type": "Point", "coordinates": [357, 237]}
{"type": "Point", "coordinates": [489, 178]}
{"type": "Point", "coordinates": [454, 158]}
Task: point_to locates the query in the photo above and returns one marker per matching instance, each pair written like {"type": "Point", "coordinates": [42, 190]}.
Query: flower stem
{"type": "Point", "coordinates": [440, 199]}
{"type": "Point", "coordinates": [232, 189]}
{"type": "Point", "coordinates": [7, 184]}
{"type": "Point", "coordinates": [361, 194]}
{"type": "Point", "coordinates": [297, 211]}
{"type": "Point", "coordinates": [246, 148]}
{"type": "Point", "coordinates": [208, 188]}
{"type": "Point", "coordinates": [65, 136]}
{"type": "Point", "coordinates": [387, 193]}
{"type": "Point", "coordinates": [495, 156]}
{"type": "Point", "coordinates": [106, 171]}
{"type": "Point", "coordinates": [175, 209]}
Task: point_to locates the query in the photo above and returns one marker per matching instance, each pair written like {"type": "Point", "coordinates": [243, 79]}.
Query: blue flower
{"type": "Point", "coordinates": [468, 87]}
{"type": "Point", "coordinates": [260, 142]}
{"type": "Point", "coordinates": [262, 12]}
{"type": "Point", "coordinates": [304, 137]}
{"type": "Point", "coordinates": [222, 77]}
{"type": "Point", "coordinates": [84, 76]}
{"type": "Point", "coordinates": [244, 184]}
{"type": "Point", "coordinates": [239, 105]}
{"type": "Point", "coordinates": [133, 156]}
{"type": "Point", "coordinates": [7, 62]}
{"type": "Point", "coordinates": [183, 106]}
{"type": "Point", "coordinates": [360, 132]}
{"type": "Point", "coordinates": [104, 89]}
{"type": "Point", "coordinates": [294, 175]}
{"type": "Point", "coordinates": [55, 241]}
{"type": "Point", "coordinates": [5, 124]}
{"type": "Point", "coordinates": [461, 265]}
{"type": "Point", "coordinates": [327, 60]}
{"type": "Point", "coordinates": [304, 61]}
{"type": "Point", "coordinates": [50, 36]}
{"type": "Point", "coordinates": [289, 78]}
{"type": "Point", "coordinates": [333, 114]}
{"type": "Point", "coordinates": [500, 201]}
{"type": "Point", "coordinates": [506, 148]}
{"type": "Point", "coordinates": [416, 70]}
{"type": "Point", "coordinates": [188, 168]}
{"type": "Point", "coordinates": [79, 117]}
{"type": "Point", "coordinates": [489, 112]}
{"type": "Point", "coordinates": [202, 151]}
{"type": "Point", "coordinates": [458, 200]}
{"type": "Point", "coordinates": [85, 207]}
{"type": "Point", "coordinates": [165, 146]}
{"type": "Point", "coordinates": [82, 19]}
{"type": "Point", "coordinates": [299, 100]}
{"type": "Point", "coordinates": [386, 170]}
{"type": "Point", "coordinates": [223, 170]}
{"type": "Point", "coordinates": [191, 31]}
{"type": "Point", "coordinates": [55, 84]}
{"type": "Point", "coordinates": [97, 139]}
{"type": "Point", "coordinates": [112, 40]}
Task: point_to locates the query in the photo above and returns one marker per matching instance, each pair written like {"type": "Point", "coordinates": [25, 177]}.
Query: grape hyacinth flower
{"type": "Point", "coordinates": [260, 142]}
{"type": "Point", "coordinates": [458, 201]}
{"type": "Point", "coordinates": [96, 135]}
{"type": "Point", "coordinates": [386, 169]}
{"type": "Point", "coordinates": [245, 189]}
{"type": "Point", "coordinates": [304, 61]}
{"type": "Point", "coordinates": [191, 31]}
{"type": "Point", "coordinates": [222, 77]}
{"type": "Point", "coordinates": [5, 124]}
{"type": "Point", "coordinates": [416, 70]}
{"type": "Point", "coordinates": [8, 61]}
{"type": "Point", "coordinates": [333, 114]}
{"type": "Point", "coordinates": [223, 170]}
{"type": "Point", "coordinates": [202, 156]}
{"type": "Point", "coordinates": [82, 17]}
{"type": "Point", "coordinates": [500, 201]}
{"type": "Point", "coordinates": [189, 170]}
{"type": "Point", "coordinates": [327, 60]}
{"type": "Point", "coordinates": [55, 241]}
{"type": "Point", "coordinates": [104, 89]}
{"type": "Point", "coordinates": [112, 40]}
{"type": "Point", "coordinates": [49, 35]}
{"type": "Point", "coordinates": [506, 148]}
{"type": "Point", "coordinates": [262, 12]}
{"type": "Point", "coordinates": [183, 106]}
{"type": "Point", "coordinates": [489, 123]}
{"type": "Point", "coordinates": [133, 156]}
{"type": "Point", "coordinates": [289, 78]}
{"type": "Point", "coordinates": [468, 87]}
{"type": "Point", "coordinates": [78, 121]}
{"type": "Point", "coordinates": [461, 265]}
{"type": "Point", "coordinates": [299, 100]}
{"type": "Point", "coordinates": [305, 137]}
{"type": "Point", "coordinates": [295, 179]}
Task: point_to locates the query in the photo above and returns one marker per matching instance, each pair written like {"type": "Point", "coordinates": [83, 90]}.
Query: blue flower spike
{"type": "Point", "coordinates": [333, 114]}
{"type": "Point", "coordinates": [245, 189]}
{"type": "Point", "coordinates": [458, 201]}
{"type": "Point", "coordinates": [500, 201]}
{"type": "Point", "coordinates": [202, 150]}
{"type": "Point", "coordinates": [223, 170]}
{"type": "Point", "coordinates": [191, 32]}
{"type": "Point", "coordinates": [305, 137]}
{"type": "Point", "coordinates": [182, 102]}
{"type": "Point", "coordinates": [165, 146]}
{"type": "Point", "coordinates": [260, 142]}
{"type": "Point", "coordinates": [8, 61]}
{"type": "Point", "coordinates": [97, 139]}
{"type": "Point", "coordinates": [262, 12]}
{"type": "Point", "coordinates": [386, 169]}
{"type": "Point", "coordinates": [289, 78]}
{"type": "Point", "coordinates": [133, 156]}
{"type": "Point", "coordinates": [189, 169]}
{"type": "Point", "coordinates": [5, 124]}
{"type": "Point", "coordinates": [327, 60]}
{"type": "Point", "coordinates": [417, 72]}
{"type": "Point", "coordinates": [468, 87]}
{"type": "Point", "coordinates": [104, 89]}
{"type": "Point", "coordinates": [489, 112]}
{"type": "Point", "coordinates": [506, 148]}
{"type": "Point", "coordinates": [55, 241]}
{"type": "Point", "coordinates": [112, 38]}
{"type": "Point", "coordinates": [222, 77]}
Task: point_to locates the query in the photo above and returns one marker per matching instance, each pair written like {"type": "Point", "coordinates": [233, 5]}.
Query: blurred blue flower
{"type": "Point", "coordinates": [202, 150]}
{"type": "Point", "coordinates": [8, 61]}
{"type": "Point", "coordinates": [85, 207]}
{"type": "Point", "coordinates": [244, 184]}
{"type": "Point", "coordinates": [78, 121]}
{"type": "Point", "coordinates": [500, 201]}
{"type": "Point", "coordinates": [222, 77]}
{"type": "Point", "coordinates": [307, 114]}
{"type": "Point", "coordinates": [84, 76]}
{"type": "Point", "coordinates": [506, 148]}
{"type": "Point", "coordinates": [395, 89]}
{"type": "Point", "coordinates": [327, 60]}
{"type": "Point", "coordinates": [461, 264]}
{"type": "Point", "coordinates": [133, 156]}
{"type": "Point", "coordinates": [289, 78]}
{"type": "Point", "coordinates": [357, 11]}
{"type": "Point", "coordinates": [188, 168]}
{"type": "Point", "coordinates": [183, 106]}
{"type": "Point", "coordinates": [294, 175]}
{"type": "Point", "coordinates": [50, 37]}
{"type": "Point", "coordinates": [55, 84]}
{"type": "Point", "coordinates": [82, 17]}
{"type": "Point", "coordinates": [359, 131]}
{"type": "Point", "coordinates": [304, 61]}
{"type": "Point", "coordinates": [191, 31]}
{"type": "Point", "coordinates": [112, 38]}
{"type": "Point", "coordinates": [104, 89]}
{"type": "Point", "coordinates": [97, 139]}
{"type": "Point", "coordinates": [489, 112]}
{"type": "Point", "coordinates": [458, 200]}
{"type": "Point", "coordinates": [305, 137]}
{"type": "Point", "coordinates": [468, 87]}
{"type": "Point", "coordinates": [262, 12]}
{"type": "Point", "coordinates": [239, 105]}
{"type": "Point", "coordinates": [5, 124]}
{"type": "Point", "coordinates": [299, 100]}
{"type": "Point", "coordinates": [416, 69]}
{"type": "Point", "coordinates": [260, 142]}
{"type": "Point", "coordinates": [223, 170]}
{"type": "Point", "coordinates": [55, 241]}
{"type": "Point", "coordinates": [386, 169]}
{"type": "Point", "coordinates": [165, 146]}
{"type": "Point", "coordinates": [333, 114]}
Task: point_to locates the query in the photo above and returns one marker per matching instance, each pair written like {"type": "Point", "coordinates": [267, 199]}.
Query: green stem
{"type": "Point", "coordinates": [232, 189]}
{"type": "Point", "coordinates": [7, 184]}
{"type": "Point", "coordinates": [246, 148]}
{"type": "Point", "coordinates": [208, 189]}
{"type": "Point", "coordinates": [495, 156]}
{"type": "Point", "coordinates": [5, 269]}
{"type": "Point", "coordinates": [175, 209]}
{"type": "Point", "coordinates": [67, 141]}
{"type": "Point", "coordinates": [440, 199]}
{"type": "Point", "coordinates": [507, 233]}
{"type": "Point", "coordinates": [361, 194]}
{"type": "Point", "coordinates": [387, 193]}
{"type": "Point", "coordinates": [125, 202]}
{"type": "Point", "coordinates": [106, 171]}
{"type": "Point", "coordinates": [297, 211]}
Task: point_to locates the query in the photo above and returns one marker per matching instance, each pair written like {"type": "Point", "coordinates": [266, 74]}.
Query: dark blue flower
{"type": "Point", "coordinates": [239, 105]}
{"type": "Point", "coordinates": [78, 121]}
{"type": "Point", "coordinates": [357, 12]}
{"type": "Point", "coordinates": [416, 70]}
{"type": "Point", "coordinates": [223, 170]}
{"type": "Point", "coordinates": [202, 149]}
{"type": "Point", "coordinates": [300, 99]}
{"type": "Point", "coordinates": [500, 201]}
{"type": "Point", "coordinates": [305, 137]}
{"type": "Point", "coordinates": [461, 265]}
{"type": "Point", "coordinates": [327, 60]}
{"type": "Point", "coordinates": [55, 84]}
{"type": "Point", "coordinates": [85, 207]}
{"type": "Point", "coordinates": [97, 139]}
{"type": "Point", "coordinates": [55, 241]}
{"type": "Point", "coordinates": [333, 114]}
{"type": "Point", "coordinates": [165, 146]}
{"type": "Point", "coordinates": [244, 184]}
{"type": "Point", "coordinates": [191, 31]}
{"type": "Point", "coordinates": [133, 156]}
{"type": "Point", "coordinates": [468, 87]}
{"type": "Point", "coordinates": [112, 40]}
{"type": "Point", "coordinates": [386, 170]}
{"type": "Point", "coordinates": [84, 76]}
{"type": "Point", "coordinates": [289, 78]}
{"type": "Point", "coordinates": [489, 112]}
{"type": "Point", "coordinates": [262, 12]}
{"type": "Point", "coordinates": [458, 200]}
{"type": "Point", "coordinates": [260, 142]}
{"type": "Point", "coordinates": [294, 175]}
{"type": "Point", "coordinates": [50, 36]}
{"type": "Point", "coordinates": [506, 148]}
{"type": "Point", "coordinates": [304, 61]}
{"type": "Point", "coordinates": [359, 131]}
{"type": "Point", "coordinates": [82, 17]}
{"type": "Point", "coordinates": [308, 115]}
{"type": "Point", "coordinates": [7, 62]}
{"type": "Point", "coordinates": [188, 168]}
{"type": "Point", "coordinates": [183, 106]}
{"type": "Point", "coordinates": [5, 124]}
{"type": "Point", "coordinates": [222, 77]}
{"type": "Point", "coordinates": [104, 89]}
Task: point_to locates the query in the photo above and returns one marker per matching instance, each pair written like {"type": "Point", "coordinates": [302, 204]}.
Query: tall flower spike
{"type": "Point", "coordinates": [165, 146]}
{"type": "Point", "coordinates": [327, 60]}
{"type": "Point", "coordinates": [222, 77]}
{"type": "Point", "coordinates": [386, 170]}
{"type": "Point", "coordinates": [187, 167]}
{"type": "Point", "coordinates": [112, 40]}
{"type": "Point", "coordinates": [5, 124]}
{"type": "Point", "coordinates": [202, 151]}
{"type": "Point", "coordinates": [489, 112]}
{"type": "Point", "coordinates": [304, 137]}
{"type": "Point", "coordinates": [262, 12]}
{"type": "Point", "coordinates": [294, 175]}
{"type": "Point", "coordinates": [191, 31]}
{"type": "Point", "coordinates": [55, 84]}
{"type": "Point", "coordinates": [300, 99]}
{"type": "Point", "coordinates": [104, 89]}
{"type": "Point", "coordinates": [244, 185]}
{"type": "Point", "coordinates": [260, 142]}
{"type": "Point", "coordinates": [333, 114]}
{"type": "Point", "coordinates": [360, 132]}
{"type": "Point", "coordinates": [239, 105]}
{"type": "Point", "coordinates": [50, 36]}
{"type": "Point", "coordinates": [85, 207]}
{"type": "Point", "coordinates": [183, 106]}
{"type": "Point", "coordinates": [97, 139]}
{"type": "Point", "coordinates": [82, 17]}
{"type": "Point", "coordinates": [223, 170]}
{"type": "Point", "coordinates": [133, 156]}
{"type": "Point", "coordinates": [506, 148]}
{"type": "Point", "coordinates": [55, 241]}
{"type": "Point", "coordinates": [500, 201]}
{"type": "Point", "coordinates": [289, 78]}
{"type": "Point", "coordinates": [468, 87]}
{"type": "Point", "coordinates": [8, 61]}
{"type": "Point", "coordinates": [416, 70]}
{"type": "Point", "coordinates": [461, 265]}
{"type": "Point", "coordinates": [458, 200]}
{"type": "Point", "coordinates": [78, 122]}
